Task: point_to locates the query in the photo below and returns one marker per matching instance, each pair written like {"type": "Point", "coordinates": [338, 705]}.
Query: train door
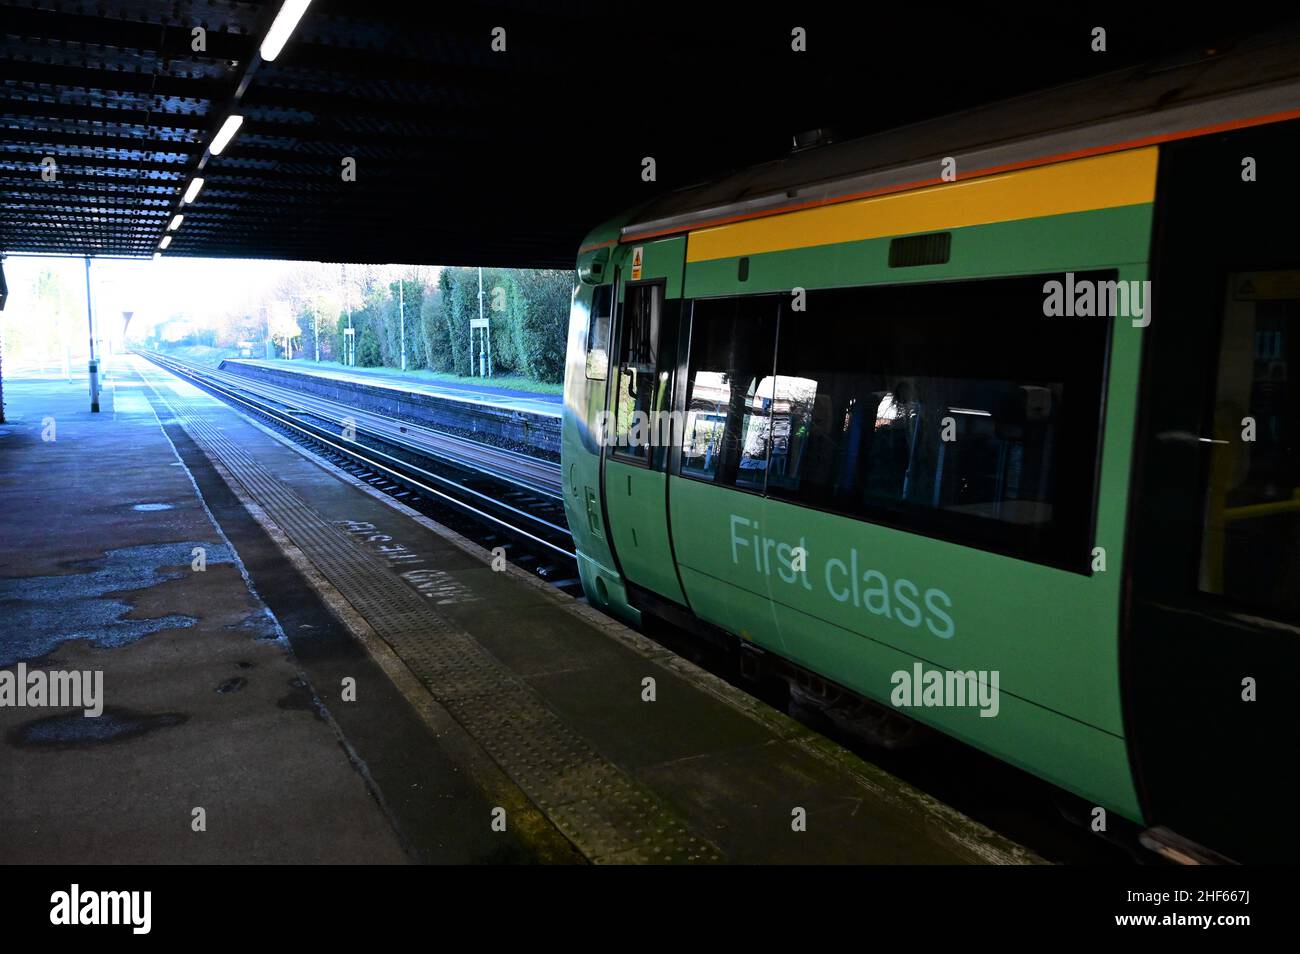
{"type": "Point", "coordinates": [639, 426]}
{"type": "Point", "coordinates": [1212, 644]}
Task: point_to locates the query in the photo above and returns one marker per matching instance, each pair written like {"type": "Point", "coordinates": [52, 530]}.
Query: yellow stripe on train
{"type": "Point", "coordinates": [1079, 185]}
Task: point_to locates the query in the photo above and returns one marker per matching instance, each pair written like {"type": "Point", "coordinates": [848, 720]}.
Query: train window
{"type": "Point", "coordinates": [955, 409]}
{"type": "Point", "coordinates": [1250, 548]}
{"type": "Point", "coordinates": [598, 332]}
{"type": "Point", "coordinates": [642, 383]}
{"type": "Point", "coordinates": [728, 426]}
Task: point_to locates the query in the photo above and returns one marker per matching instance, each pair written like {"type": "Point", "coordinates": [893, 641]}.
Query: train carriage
{"type": "Point", "coordinates": [1003, 394]}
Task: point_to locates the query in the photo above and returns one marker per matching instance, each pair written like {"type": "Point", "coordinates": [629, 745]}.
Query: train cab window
{"type": "Point", "coordinates": [957, 410]}
{"type": "Point", "coordinates": [728, 426]}
{"type": "Point", "coordinates": [641, 387]}
{"type": "Point", "coordinates": [1250, 548]}
{"type": "Point", "coordinates": [598, 332]}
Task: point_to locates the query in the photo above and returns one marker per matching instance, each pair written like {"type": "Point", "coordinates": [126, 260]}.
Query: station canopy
{"type": "Point", "coordinates": [460, 133]}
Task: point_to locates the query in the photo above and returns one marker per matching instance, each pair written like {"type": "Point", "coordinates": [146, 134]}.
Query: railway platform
{"type": "Point", "coordinates": [507, 398]}
{"type": "Point", "coordinates": [525, 423]}
{"type": "Point", "coordinates": [345, 680]}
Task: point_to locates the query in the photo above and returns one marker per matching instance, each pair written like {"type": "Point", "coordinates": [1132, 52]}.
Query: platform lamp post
{"type": "Point", "coordinates": [484, 337]}
{"type": "Point", "coordinates": [94, 362]}
{"type": "Point", "coordinates": [401, 316]}
{"type": "Point", "coordinates": [349, 336]}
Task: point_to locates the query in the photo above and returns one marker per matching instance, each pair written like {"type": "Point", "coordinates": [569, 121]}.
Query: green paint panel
{"type": "Point", "coordinates": [1050, 634]}
{"type": "Point", "coordinates": [660, 259]}
{"type": "Point", "coordinates": [1078, 241]}
{"type": "Point", "coordinates": [637, 506]}
{"type": "Point", "coordinates": [946, 604]}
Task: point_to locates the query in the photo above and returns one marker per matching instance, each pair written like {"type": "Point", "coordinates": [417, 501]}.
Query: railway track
{"type": "Point", "coordinates": [495, 496]}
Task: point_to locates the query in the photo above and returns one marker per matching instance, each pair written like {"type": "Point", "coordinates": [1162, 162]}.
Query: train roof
{"type": "Point", "coordinates": [1256, 80]}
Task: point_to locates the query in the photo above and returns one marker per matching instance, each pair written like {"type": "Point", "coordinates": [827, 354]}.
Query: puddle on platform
{"type": "Point", "coordinates": [232, 685]}
{"type": "Point", "coordinates": [43, 612]}
{"type": "Point", "coordinates": [259, 624]}
{"type": "Point", "coordinates": [72, 730]}
{"type": "Point", "coordinates": [301, 698]}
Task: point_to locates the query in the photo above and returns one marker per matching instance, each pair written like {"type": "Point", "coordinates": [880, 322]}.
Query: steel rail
{"type": "Point", "coordinates": [526, 472]}
{"type": "Point", "coordinates": [526, 464]}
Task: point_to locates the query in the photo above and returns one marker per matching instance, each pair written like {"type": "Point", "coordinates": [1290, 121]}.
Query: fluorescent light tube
{"type": "Point", "coordinates": [225, 134]}
{"type": "Point", "coordinates": [285, 21]}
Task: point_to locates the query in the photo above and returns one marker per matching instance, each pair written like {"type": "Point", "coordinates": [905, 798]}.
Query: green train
{"type": "Point", "coordinates": [1000, 403]}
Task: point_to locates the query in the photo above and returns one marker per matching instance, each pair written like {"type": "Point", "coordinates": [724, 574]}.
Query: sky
{"type": "Point", "coordinates": [201, 288]}
{"type": "Point", "coordinates": [197, 289]}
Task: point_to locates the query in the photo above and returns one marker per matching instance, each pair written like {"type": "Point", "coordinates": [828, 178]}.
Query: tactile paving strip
{"type": "Point", "coordinates": [606, 814]}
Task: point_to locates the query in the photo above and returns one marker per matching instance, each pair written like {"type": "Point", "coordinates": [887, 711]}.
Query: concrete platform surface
{"type": "Point", "coordinates": [548, 404]}
{"type": "Point", "coordinates": [204, 705]}
{"type": "Point", "coordinates": [347, 681]}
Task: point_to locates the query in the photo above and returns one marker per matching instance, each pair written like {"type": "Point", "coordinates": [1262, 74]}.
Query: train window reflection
{"type": "Point", "coordinates": [730, 384]}
{"type": "Point", "coordinates": [1250, 548]}
{"type": "Point", "coordinates": [598, 333]}
{"type": "Point", "coordinates": [639, 375]}
{"type": "Point", "coordinates": [958, 410]}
